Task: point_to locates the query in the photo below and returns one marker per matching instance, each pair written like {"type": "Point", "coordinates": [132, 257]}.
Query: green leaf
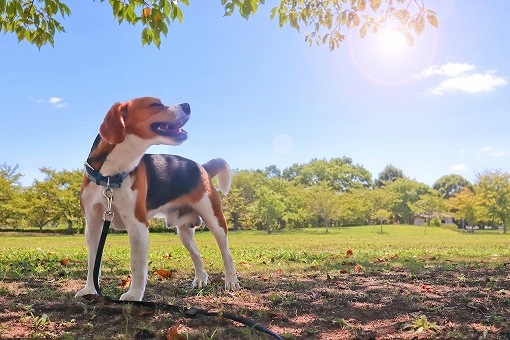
{"type": "Point", "coordinates": [363, 30]}
{"type": "Point", "coordinates": [409, 38]}
{"type": "Point", "coordinates": [343, 18]}
{"type": "Point", "coordinates": [375, 4]}
{"type": "Point", "coordinates": [293, 16]}
{"type": "Point", "coordinates": [273, 13]}
{"type": "Point", "coordinates": [179, 13]}
{"type": "Point", "coordinates": [432, 18]}
{"type": "Point", "coordinates": [419, 25]}
{"type": "Point", "coordinates": [146, 36]}
{"type": "Point", "coordinates": [163, 28]}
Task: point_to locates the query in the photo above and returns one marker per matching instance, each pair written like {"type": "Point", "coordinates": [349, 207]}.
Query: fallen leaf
{"type": "Point", "coordinates": [125, 283]}
{"type": "Point", "coordinates": [167, 256]}
{"type": "Point", "coordinates": [173, 334]}
{"type": "Point", "coordinates": [380, 260]}
{"type": "Point", "coordinates": [349, 253]}
{"type": "Point", "coordinates": [358, 268]}
{"type": "Point", "coordinates": [164, 274]}
{"type": "Point", "coordinates": [64, 261]}
{"type": "Point", "coordinates": [146, 312]}
{"type": "Point", "coordinates": [276, 315]}
{"type": "Point", "coordinates": [427, 288]}
{"type": "Point", "coordinates": [244, 264]}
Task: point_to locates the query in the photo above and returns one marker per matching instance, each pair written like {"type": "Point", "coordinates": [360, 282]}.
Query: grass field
{"type": "Point", "coordinates": [277, 272]}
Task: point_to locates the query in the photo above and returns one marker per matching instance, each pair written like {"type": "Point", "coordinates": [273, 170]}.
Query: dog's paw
{"type": "Point", "coordinates": [132, 295]}
{"type": "Point", "coordinates": [200, 281]}
{"type": "Point", "coordinates": [232, 284]}
{"type": "Point", "coordinates": [85, 291]}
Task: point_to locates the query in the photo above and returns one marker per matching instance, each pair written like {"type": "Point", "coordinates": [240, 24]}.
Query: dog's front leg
{"type": "Point", "coordinates": [139, 242]}
{"type": "Point", "coordinates": [92, 235]}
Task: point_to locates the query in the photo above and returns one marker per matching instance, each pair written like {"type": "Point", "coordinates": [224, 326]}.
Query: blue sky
{"type": "Point", "coordinates": [260, 95]}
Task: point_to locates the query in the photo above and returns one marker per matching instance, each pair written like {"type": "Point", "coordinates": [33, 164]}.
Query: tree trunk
{"type": "Point", "coordinates": [69, 227]}
{"type": "Point", "coordinates": [236, 222]}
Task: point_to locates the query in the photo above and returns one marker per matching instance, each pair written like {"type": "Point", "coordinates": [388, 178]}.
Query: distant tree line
{"type": "Point", "coordinates": [320, 193]}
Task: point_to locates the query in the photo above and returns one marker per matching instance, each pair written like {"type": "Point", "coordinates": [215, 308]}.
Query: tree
{"type": "Point", "coordinates": [339, 174]}
{"type": "Point", "coordinates": [11, 211]}
{"type": "Point", "coordinates": [381, 202]}
{"type": "Point", "coordinates": [324, 203]}
{"type": "Point", "coordinates": [355, 206]}
{"type": "Point", "coordinates": [55, 199]}
{"type": "Point", "coordinates": [270, 206]}
{"type": "Point", "coordinates": [35, 20]}
{"type": "Point", "coordinates": [239, 203]}
{"type": "Point", "coordinates": [428, 205]}
{"type": "Point", "coordinates": [407, 192]}
{"type": "Point", "coordinates": [381, 215]}
{"type": "Point", "coordinates": [463, 206]}
{"type": "Point", "coordinates": [272, 171]}
{"type": "Point", "coordinates": [493, 190]}
{"type": "Point", "coordinates": [389, 174]}
{"type": "Point", "coordinates": [449, 185]}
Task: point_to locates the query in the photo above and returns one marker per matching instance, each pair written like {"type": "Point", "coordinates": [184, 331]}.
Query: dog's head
{"type": "Point", "coordinates": [148, 119]}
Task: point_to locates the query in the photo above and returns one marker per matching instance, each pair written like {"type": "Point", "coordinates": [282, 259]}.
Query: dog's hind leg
{"type": "Point", "coordinates": [211, 212]}
{"type": "Point", "coordinates": [187, 236]}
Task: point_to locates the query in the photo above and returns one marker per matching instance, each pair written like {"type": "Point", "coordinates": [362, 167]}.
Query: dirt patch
{"type": "Point", "coordinates": [468, 303]}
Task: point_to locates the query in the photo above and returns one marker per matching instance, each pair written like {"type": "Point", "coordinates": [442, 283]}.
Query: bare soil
{"type": "Point", "coordinates": [465, 303]}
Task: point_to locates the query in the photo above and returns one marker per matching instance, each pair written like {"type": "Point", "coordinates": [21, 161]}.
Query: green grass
{"type": "Point", "coordinates": [411, 247]}
{"type": "Point", "coordinates": [289, 273]}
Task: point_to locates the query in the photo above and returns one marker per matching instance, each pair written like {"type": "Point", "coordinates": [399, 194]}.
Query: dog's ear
{"type": "Point", "coordinates": [113, 130]}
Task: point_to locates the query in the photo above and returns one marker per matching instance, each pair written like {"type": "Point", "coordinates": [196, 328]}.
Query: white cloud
{"type": "Point", "coordinates": [498, 153]}
{"type": "Point", "coordinates": [459, 167]}
{"type": "Point", "coordinates": [449, 70]}
{"type": "Point", "coordinates": [54, 101]}
{"type": "Point", "coordinates": [461, 79]}
{"type": "Point", "coordinates": [493, 152]}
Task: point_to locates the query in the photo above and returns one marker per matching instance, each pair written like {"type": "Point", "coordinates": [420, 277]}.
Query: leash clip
{"type": "Point", "coordinates": [108, 214]}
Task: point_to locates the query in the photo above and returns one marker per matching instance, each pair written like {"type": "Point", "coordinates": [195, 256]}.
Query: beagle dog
{"type": "Point", "coordinates": [146, 185]}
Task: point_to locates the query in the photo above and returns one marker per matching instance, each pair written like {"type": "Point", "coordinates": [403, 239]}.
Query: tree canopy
{"type": "Point", "coordinates": [321, 193]}
{"type": "Point", "coordinates": [37, 21]}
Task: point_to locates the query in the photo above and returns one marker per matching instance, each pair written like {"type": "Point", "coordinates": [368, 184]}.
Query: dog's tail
{"type": "Point", "coordinates": [219, 166]}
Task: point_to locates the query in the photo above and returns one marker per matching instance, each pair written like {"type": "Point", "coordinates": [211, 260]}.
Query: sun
{"type": "Point", "coordinates": [391, 43]}
{"type": "Point", "coordinates": [386, 57]}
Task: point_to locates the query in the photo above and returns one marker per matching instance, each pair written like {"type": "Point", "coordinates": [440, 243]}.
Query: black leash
{"type": "Point", "coordinates": [190, 312]}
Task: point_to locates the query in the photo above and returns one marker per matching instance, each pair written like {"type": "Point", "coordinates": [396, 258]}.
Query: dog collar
{"type": "Point", "coordinates": [113, 181]}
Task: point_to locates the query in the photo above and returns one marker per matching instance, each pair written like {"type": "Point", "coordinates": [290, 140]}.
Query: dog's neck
{"type": "Point", "coordinates": [111, 159]}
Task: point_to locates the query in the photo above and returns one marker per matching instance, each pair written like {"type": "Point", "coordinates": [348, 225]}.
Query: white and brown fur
{"type": "Point", "coordinates": [170, 186]}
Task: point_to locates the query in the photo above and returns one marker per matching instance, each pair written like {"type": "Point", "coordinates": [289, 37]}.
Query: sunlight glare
{"type": "Point", "coordinates": [385, 57]}
{"type": "Point", "coordinates": [391, 43]}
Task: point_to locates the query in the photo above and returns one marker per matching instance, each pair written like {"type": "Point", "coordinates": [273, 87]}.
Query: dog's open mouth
{"type": "Point", "coordinates": [172, 130]}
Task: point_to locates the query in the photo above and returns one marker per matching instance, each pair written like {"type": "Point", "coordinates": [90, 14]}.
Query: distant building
{"type": "Point", "coordinates": [422, 219]}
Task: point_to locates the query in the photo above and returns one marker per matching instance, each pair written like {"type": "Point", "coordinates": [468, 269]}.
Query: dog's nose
{"type": "Point", "coordinates": [185, 108]}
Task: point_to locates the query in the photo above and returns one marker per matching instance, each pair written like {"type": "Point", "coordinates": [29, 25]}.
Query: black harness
{"type": "Point", "coordinates": [110, 182]}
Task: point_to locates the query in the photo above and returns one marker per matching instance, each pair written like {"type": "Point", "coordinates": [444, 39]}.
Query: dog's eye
{"type": "Point", "coordinates": [159, 105]}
